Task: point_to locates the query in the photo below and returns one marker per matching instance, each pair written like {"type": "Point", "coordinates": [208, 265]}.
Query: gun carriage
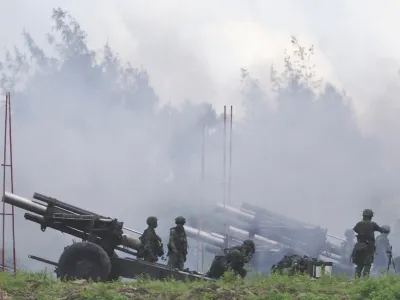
{"type": "Point", "coordinates": [95, 257]}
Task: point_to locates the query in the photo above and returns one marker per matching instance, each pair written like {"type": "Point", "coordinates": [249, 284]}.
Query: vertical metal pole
{"type": "Point", "coordinates": [202, 257]}
{"type": "Point", "coordinates": [200, 247]}
{"type": "Point", "coordinates": [203, 142]}
{"type": "Point", "coordinates": [224, 179]}
{"type": "Point", "coordinates": [4, 183]}
{"type": "Point", "coordinates": [230, 158]}
{"type": "Point", "coordinates": [224, 158]}
{"type": "Point", "coordinates": [12, 183]}
{"type": "Point", "coordinates": [198, 250]}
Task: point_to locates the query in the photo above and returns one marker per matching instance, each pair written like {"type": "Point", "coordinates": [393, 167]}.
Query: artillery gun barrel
{"type": "Point", "coordinates": [253, 210]}
{"type": "Point", "coordinates": [63, 205]}
{"type": "Point", "coordinates": [236, 213]}
{"type": "Point", "coordinates": [246, 235]}
{"type": "Point", "coordinates": [26, 204]}
{"type": "Point", "coordinates": [262, 211]}
{"type": "Point", "coordinates": [132, 230]}
{"type": "Point", "coordinates": [127, 241]}
{"type": "Point", "coordinates": [125, 228]}
{"type": "Point", "coordinates": [23, 203]}
{"type": "Point", "coordinates": [276, 228]}
{"type": "Point", "coordinates": [204, 237]}
{"type": "Point", "coordinates": [217, 240]}
{"type": "Point", "coordinates": [251, 221]}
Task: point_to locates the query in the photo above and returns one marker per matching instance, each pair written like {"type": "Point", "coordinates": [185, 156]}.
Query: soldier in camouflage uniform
{"type": "Point", "coordinates": [290, 265]}
{"type": "Point", "coordinates": [364, 249]}
{"type": "Point", "coordinates": [347, 247]}
{"type": "Point", "coordinates": [382, 248]}
{"type": "Point", "coordinates": [151, 246]}
{"type": "Point", "coordinates": [247, 249]}
{"type": "Point", "coordinates": [233, 259]}
{"type": "Point", "coordinates": [294, 264]}
{"type": "Point", "coordinates": [177, 246]}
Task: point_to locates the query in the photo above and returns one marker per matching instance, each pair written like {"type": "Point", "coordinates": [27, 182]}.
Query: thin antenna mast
{"type": "Point", "coordinates": [224, 179]}
{"type": "Point", "coordinates": [8, 131]}
{"type": "Point", "coordinates": [230, 158]}
{"type": "Point", "coordinates": [200, 245]}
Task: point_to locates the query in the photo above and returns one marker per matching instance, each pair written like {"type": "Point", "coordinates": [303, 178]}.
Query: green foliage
{"type": "Point", "coordinates": [299, 69]}
{"type": "Point", "coordinates": [40, 286]}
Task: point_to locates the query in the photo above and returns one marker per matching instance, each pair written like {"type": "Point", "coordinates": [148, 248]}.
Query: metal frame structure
{"type": "Point", "coordinates": [4, 214]}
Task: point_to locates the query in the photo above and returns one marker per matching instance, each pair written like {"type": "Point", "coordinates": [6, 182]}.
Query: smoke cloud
{"type": "Point", "coordinates": [316, 142]}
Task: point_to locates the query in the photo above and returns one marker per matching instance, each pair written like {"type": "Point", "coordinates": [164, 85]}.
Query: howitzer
{"type": "Point", "coordinates": [287, 232]}
{"type": "Point", "coordinates": [95, 257]}
{"type": "Point", "coordinates": [275, 234]}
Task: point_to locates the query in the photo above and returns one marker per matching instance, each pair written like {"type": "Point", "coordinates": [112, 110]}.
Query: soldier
{"type": "Point", "coordinates": [247, 249]}
{"type": "Point", "coordinates": [382, 248]}
{"type": "Point", "coordinates": [233, 259]}
{"type": "Point", "coordinates": [177, 246]}
{"type": "Point", "coordinates": [151, 246]}
{"type": "Point", "coordinates": [347, 246]}
{"type": "Point", "coordinates": [364, 249]}
{"type": "Point", "coordinates": [290, 264]}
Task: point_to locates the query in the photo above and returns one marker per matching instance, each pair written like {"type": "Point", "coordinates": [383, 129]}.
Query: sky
{"type": "Point", "coordinates": [211, 41]}
{"type": "Point", "coordinates": [194, 50]}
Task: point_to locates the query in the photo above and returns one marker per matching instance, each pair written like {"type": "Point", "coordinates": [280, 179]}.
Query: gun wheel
{"type": "Point", "coordinates": [84, 260]}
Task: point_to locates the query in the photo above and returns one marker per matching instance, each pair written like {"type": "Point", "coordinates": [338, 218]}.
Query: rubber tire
{"type": "Point", "coordinates": [95, 262]}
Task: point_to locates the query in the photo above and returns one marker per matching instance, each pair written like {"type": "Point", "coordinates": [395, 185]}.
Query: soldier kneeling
{"type": "Point", "coordinates": [290, 265]}
{"type": "Point", "coordinates": [233, 259]}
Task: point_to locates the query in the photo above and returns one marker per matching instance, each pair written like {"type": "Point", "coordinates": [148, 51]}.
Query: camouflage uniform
{"type": "Point", "coordinates": [382, 248]}
{"type": "Point", "coordinates": [151, 246]}
{"type": "Point", "coordinates": [233, 259]}
{"type": "Point", "coordinates": [295, 264]}
{"type": "Point", "coordinates": [364, 249]}
{"type": "Point", "coordinates": [177, 246]}
{"type": "Point", "coordinates": [290, 265]}
{"type": "Point", "coordinates": [247, 249]}
{"type": "Point", "coordinates": [347, 247]}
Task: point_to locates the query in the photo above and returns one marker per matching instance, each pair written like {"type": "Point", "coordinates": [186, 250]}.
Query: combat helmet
{"type": "Point", "coordinates": [234, 256]}
{"type": "Point", "coordinates": [386, 228]}
{"type": "Point", "coordinates": [250, 243]}
{"type": "Point", "coordinates": [180, 220]}
{"type": "Point", "coordinates": [368, 213]}
{"type": "Point", "coordinates": [152, 221]}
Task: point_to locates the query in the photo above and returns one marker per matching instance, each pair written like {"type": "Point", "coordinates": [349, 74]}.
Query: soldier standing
{"type": "Point", "coordinates": [382, 249]}
{"type": "Point", "coordinates": [177, 246]}
{"type": "Point", "coordinates": [364, 249]}
{"type": "Point", "coordinates": [151, 246]}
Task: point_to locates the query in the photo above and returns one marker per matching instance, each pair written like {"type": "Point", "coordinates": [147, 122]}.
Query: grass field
{"type": "Point", "coordinates": [40, 286]}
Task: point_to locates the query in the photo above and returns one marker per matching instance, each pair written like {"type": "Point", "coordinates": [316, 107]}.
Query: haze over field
{"type": "Point", "coordinates": [126, 140]}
